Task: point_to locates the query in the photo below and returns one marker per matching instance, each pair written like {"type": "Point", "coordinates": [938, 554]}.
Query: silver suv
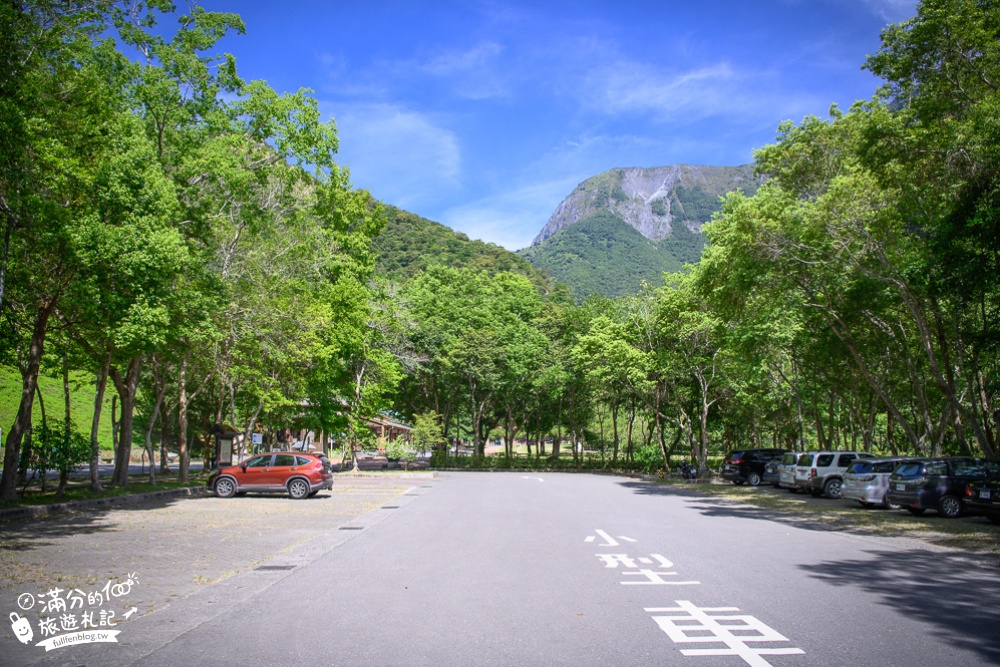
{"type": "Point", "coordinates": [786, 477]}
{"type": "Point", "coordinates": [822, 472]}
{"type": "Point", "coordinates": [867, 481]}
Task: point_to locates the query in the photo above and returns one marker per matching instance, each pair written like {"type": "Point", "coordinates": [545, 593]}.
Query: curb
{"type": "Point", "coordinates": [39, 511]}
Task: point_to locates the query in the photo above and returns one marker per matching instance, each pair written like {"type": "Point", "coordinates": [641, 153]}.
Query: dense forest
{"type": "Point", "coordinates": [602, 254]}
{"type": "Point", "coordinates": [188, 237]}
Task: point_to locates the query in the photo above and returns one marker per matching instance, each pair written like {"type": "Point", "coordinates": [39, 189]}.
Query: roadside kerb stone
{"type": "Point", "coordinates": [191, 558]}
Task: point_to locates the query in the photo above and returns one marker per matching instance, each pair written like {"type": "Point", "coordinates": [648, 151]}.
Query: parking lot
{"type": "Point", "coordinates": [176, 547]}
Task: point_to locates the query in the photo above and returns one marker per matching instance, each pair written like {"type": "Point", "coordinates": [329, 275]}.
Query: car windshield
{"type": "Point", "coordinates": [882, 466]}
{"type": "Point", "coordinates": [805, 460]}
{"type": "Point", "coordinates": [909, 470]}
{"type": "Point", "coordinates": [860, 467]}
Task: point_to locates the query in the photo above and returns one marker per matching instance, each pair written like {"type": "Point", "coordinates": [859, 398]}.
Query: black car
{"type": "Point", "coordinates": [747, 465]}
{"type": "Point", "coordinates": [938, 483]}
{"type": "Point", "coordinates": [982, 497]}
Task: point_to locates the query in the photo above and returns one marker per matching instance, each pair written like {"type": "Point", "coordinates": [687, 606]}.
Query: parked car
{"type": "Point", "coordinates": [299, 474]}
{"type": "Point", "coordinates": [983, 497]}
{"type": "Point", "coordinates": [867, 481]}
{"type": "Point", "coordinates": [772, 472]}
{"type": "Point", "coordinates": [786, 476]}
{"type": "Point", "coordinates": [938, 483]}
{"type": "Point", "coordinates": [747, 465]}
{"type": "Point", "coordinates": [822, 472]}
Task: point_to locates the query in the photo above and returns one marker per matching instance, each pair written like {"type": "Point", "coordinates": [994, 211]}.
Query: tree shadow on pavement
{"type": "Point", "coordinates": [819, 514]}
{"type": "Point", "coordinates": [932, 587]}
{"type": "Point", "coordinates": [26, 534]}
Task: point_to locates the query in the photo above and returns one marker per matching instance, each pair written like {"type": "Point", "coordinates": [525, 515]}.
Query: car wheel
{"type": "Point", "coordinates": [753, 479]}
{"type": "Point", "coordinates": [834, 489]}
{"type": "Point", "coordinates": [298, 488]}
{"type": "Point", "coordinates": [915, 511]}
{"type": "Point", "coordinates": [950, 507]}
{"type": "Point", "coordinates": [888, 504]}
{"type": "Point", "coordinates": [225, 487]}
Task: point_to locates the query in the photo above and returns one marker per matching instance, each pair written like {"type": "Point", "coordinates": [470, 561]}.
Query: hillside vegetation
{"type": "Point", "coordinates": [603, 255]}
{"type": "Point", "coordinates": [409, 244]}
{"type": "Point", "coordinates": [81, 401]}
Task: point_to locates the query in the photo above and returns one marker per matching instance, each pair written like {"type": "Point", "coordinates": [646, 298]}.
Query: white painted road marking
{"type": "Point", "coordinates": [721, 628]}
{"type": "Point", "coordinates": [608, 540]}
{"type": "Point", "coordinates": [527, 477]}
{"type": "Point", "coordinates": [654, 578]}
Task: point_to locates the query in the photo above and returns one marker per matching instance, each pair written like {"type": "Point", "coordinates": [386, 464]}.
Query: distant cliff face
{"type": "Point", "coordinates": [652, 200]}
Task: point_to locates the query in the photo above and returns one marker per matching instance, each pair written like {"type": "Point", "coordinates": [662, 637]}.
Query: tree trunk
{"type": "Point", "coordinates": [248, 433]}
{"type": "Point", "coordinates": [161, 389]}
{"type": "Point", "coordinates": [67, 423]}
{"type": "Point", "coordinates": [22, 422]}
{"type": "Point", "coordinates": [41, 467]}
{"type": "Point", "coordinates": [182, 420]}
{"type": "Point", "coordinates": [629, 425]}
{"type": "Point", "coordinates": [95, 446]}
{"type": "Point", "coordinates": [614, 431]}
{"type": "Point", "coordinates": [127, 388]}
{"type": "Point", "coordinates": [164, 458]}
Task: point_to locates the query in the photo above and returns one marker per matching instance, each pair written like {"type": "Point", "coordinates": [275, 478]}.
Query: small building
{"type": "Point", "coordinates": [226, 441]}
{"type": "Point", "coordinates": [388, 430]}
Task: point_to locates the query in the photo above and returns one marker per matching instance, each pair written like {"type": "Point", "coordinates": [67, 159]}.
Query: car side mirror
{"type": "Point", "coordinates": [243, 467]}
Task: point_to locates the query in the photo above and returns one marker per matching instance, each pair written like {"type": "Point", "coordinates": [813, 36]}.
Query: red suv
{"type": "Point", "coordinates": [297, 473]}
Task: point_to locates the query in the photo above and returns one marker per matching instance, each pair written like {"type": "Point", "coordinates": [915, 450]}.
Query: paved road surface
{"type": "Point", "coordinates": [566, 569]}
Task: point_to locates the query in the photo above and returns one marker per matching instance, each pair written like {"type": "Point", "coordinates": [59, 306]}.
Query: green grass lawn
{"type": "Point", "coordinates": [81, 402]}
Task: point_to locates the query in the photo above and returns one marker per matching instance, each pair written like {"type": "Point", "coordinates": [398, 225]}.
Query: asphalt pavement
{"type": "Point", "coordinates": [518, 569]}
{"type": "Point", "coordinates": [178, 551]}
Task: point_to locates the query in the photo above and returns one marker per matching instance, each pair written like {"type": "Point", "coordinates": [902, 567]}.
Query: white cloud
{"type": "Point", "coordinates": [472, 59]}
{"type": "Point", "coordinates": [892, 10]}
{"type": "Point", "coordinates": [636, 87]}
{"type": "Point", "coordinates": [401, 156]}
{"type": "Point", "coordinates": [473, 73]}
{"type": "Point", "coordinates": [510, 218]}
{"type": "Point", "coordinates": [715, 90]}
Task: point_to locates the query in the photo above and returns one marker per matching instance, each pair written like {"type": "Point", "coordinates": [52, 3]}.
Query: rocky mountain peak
{"type": "Point", "coordinates": [652, 200]}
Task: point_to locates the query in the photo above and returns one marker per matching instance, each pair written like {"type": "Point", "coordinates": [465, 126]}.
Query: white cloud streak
{"type": "Point", "coordinates": [403, 156]}
{"type": "Point", "coordinates": [513, 217]}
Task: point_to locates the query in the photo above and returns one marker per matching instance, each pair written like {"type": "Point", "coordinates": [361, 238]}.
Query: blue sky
{"type": "Point", "coordinates": [484, 115]}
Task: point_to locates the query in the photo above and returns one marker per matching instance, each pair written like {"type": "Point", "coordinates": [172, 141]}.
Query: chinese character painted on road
{"type": "Point", "coordinates": [735, 631]}
{"type": "Point", "coordinates": [608, 540]}
{"type": "Point", "coordinates": [648, 576]}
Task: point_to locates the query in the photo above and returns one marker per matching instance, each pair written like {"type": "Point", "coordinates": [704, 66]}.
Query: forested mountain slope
{"type": "Point", "coordinates": [626, 226]}
{"type": "Point", "coordinates": [409, 244]}
{"type": "Point", "coordinates": [604, 255]}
